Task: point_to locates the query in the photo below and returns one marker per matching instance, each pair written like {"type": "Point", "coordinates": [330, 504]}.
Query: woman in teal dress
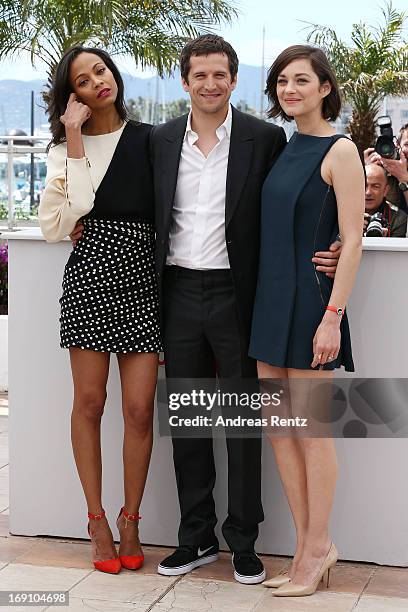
{"type": "Point", "coordinates": [300, 332]}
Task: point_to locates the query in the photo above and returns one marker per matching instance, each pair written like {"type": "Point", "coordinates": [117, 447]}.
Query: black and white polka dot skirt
{"type": "Point", "coordinates": [109, 300]}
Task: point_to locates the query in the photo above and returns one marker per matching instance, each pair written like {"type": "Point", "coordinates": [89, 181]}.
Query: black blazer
{"type": "Point", "coordinates": [254, 147]}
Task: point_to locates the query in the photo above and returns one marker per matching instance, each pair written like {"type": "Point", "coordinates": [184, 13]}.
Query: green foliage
{"type": "Point", "coordinates": [176, 108]}
{"type": "Point", "coordinates": [148, 111]}
{"type": "Point", "coordinates": [375, 65]}
{"type": "Point", "coordinates": [139, 109]}
{"type": "Point", "coordinates": [152, 31]}
{"type": "Point", "coordinates": [20, 214]}
{"type": "Point", "coordinates": [3, 210]}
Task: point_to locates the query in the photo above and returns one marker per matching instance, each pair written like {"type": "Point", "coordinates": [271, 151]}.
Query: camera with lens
{"type": "Point", "coordinates": [376, 223]}
{"type": "Point", "coordinates": [385, 145]}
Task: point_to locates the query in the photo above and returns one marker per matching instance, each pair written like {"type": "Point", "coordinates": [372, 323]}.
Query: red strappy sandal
{"type": "Point", "coordinates": [131, 562]}
{"type": "Point", "coordinates": [110, 566]}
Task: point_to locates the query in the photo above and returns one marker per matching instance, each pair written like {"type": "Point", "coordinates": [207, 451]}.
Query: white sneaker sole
{"type": "Point", "coordinates": [184, 569]}
{"type": "Point", "coordinates": [250, 579]}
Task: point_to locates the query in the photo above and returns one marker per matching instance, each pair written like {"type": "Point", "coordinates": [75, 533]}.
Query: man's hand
{"type": "Point", "coordinates": [76, 233]}
{"type": "Point", "coordinates": [397, 167]}
{"type": "Point", "coordinates": [326, 261]}
{"type": "Point", "coordinates": [372, 157]}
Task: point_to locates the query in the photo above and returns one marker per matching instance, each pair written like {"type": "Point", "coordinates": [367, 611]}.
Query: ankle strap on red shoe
{"type": "Point", "coordinates": [96, 517]}
{"type": "Point", "coordinates": [130, 518]}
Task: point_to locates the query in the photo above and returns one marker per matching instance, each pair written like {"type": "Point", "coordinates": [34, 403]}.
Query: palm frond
{"type": "Point", "coordinates": [153, 31]}
{"type": "Point", "coordinates": [373, 66]}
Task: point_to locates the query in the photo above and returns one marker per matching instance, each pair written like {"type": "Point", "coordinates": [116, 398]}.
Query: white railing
{"type": "Point", "coordinates": [11, 149]}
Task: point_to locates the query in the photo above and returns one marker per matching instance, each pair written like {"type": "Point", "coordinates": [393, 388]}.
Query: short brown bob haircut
{"type": "Point", "coordinates": [205, 45]}
{"type": "Point", "coordinates": [321, 66]}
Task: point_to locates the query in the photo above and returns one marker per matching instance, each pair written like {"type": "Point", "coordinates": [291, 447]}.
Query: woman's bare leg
{"type": "Point", "coordinates": [138, 373]}
{"type": "Point", "coordinates": [90, 373]}
{"type": "Point", "coordinates": [321, 468]}
{"type": "Point", "coordinates": [290, 461]}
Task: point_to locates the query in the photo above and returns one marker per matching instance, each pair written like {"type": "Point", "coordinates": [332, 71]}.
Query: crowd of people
{"type": "Point", "coordinates": [387, 190]}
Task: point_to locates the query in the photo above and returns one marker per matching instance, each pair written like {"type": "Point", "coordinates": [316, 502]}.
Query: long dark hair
{"type": "Point", "coordinates": [61, 89]}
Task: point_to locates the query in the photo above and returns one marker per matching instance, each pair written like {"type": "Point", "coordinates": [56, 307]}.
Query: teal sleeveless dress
{"type": "Point", "coordinates": [299, 217]}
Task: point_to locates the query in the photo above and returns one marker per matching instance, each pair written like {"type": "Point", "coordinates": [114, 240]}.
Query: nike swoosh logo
{"type": "Point", "coordinates": [200, 552]}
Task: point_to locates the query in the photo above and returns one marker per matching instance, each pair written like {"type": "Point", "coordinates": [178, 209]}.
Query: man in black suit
{"type": "Point", "coordinates": [209, 169]}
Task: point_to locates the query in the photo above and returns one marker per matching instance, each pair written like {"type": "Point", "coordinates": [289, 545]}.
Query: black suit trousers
{"type": "Point", "coordinates": [202, 339]}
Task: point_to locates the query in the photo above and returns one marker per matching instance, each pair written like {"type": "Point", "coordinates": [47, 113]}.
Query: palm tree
{"type": "Point", "coordinates": [151, 31]}
{"type": "Point", "coordinates": [374, 66]}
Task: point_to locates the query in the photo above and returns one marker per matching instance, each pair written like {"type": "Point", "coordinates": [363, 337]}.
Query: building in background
{"type": "Point", "coordinates": [397, 109]}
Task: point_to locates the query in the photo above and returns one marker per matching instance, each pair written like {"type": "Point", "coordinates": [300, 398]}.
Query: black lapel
{"type": "Point", "coordinates": [239, 161]}
{"type": "Point", "coordinates": [172, 143]}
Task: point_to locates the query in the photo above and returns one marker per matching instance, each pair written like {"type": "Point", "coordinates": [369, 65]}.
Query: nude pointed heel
{"type": "Point", "coordinates": [277, 581]}
{"type": "Point", "coordinates": [300, 590]}
{"type": "Point", "coordinates": [328, 577]}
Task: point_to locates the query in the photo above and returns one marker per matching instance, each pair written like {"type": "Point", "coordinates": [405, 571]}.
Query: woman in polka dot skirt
{"type": "Point", "coordinates": [98, 171]}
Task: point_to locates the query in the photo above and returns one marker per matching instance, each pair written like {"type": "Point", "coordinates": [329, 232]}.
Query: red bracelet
{"type": "Point", "coordinates": [339, 311]}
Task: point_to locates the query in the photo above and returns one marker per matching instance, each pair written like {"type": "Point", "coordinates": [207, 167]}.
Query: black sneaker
{"type": "Point", "coordinates": [248, 568]}
{"type": "Point", "coordinates": [186, 558]}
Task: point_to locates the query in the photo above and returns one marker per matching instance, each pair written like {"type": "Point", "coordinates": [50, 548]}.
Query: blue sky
{"type": "Point", "coordinates": [283, 27]}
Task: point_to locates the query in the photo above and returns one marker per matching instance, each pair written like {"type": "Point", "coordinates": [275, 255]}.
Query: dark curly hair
{"type": "Point", "coordinates": [321, 66]}
{"type": "Point", "coordinates": [61, 89]}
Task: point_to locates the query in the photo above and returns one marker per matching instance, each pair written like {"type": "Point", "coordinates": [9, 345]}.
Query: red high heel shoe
{"type": "Point", "coordinates": [131, 562]}
{"type": "Point", "coordinates": [110, 566]}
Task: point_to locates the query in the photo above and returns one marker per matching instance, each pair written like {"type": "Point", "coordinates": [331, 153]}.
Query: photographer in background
{"type": "Point", "coordinates": [397, 168]}
{"type": "Point", "coordinates": [381, 218]}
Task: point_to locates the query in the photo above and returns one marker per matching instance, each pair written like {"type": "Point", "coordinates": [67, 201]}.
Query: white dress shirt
{"type": "Point", "coordinates": [197, 232]}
